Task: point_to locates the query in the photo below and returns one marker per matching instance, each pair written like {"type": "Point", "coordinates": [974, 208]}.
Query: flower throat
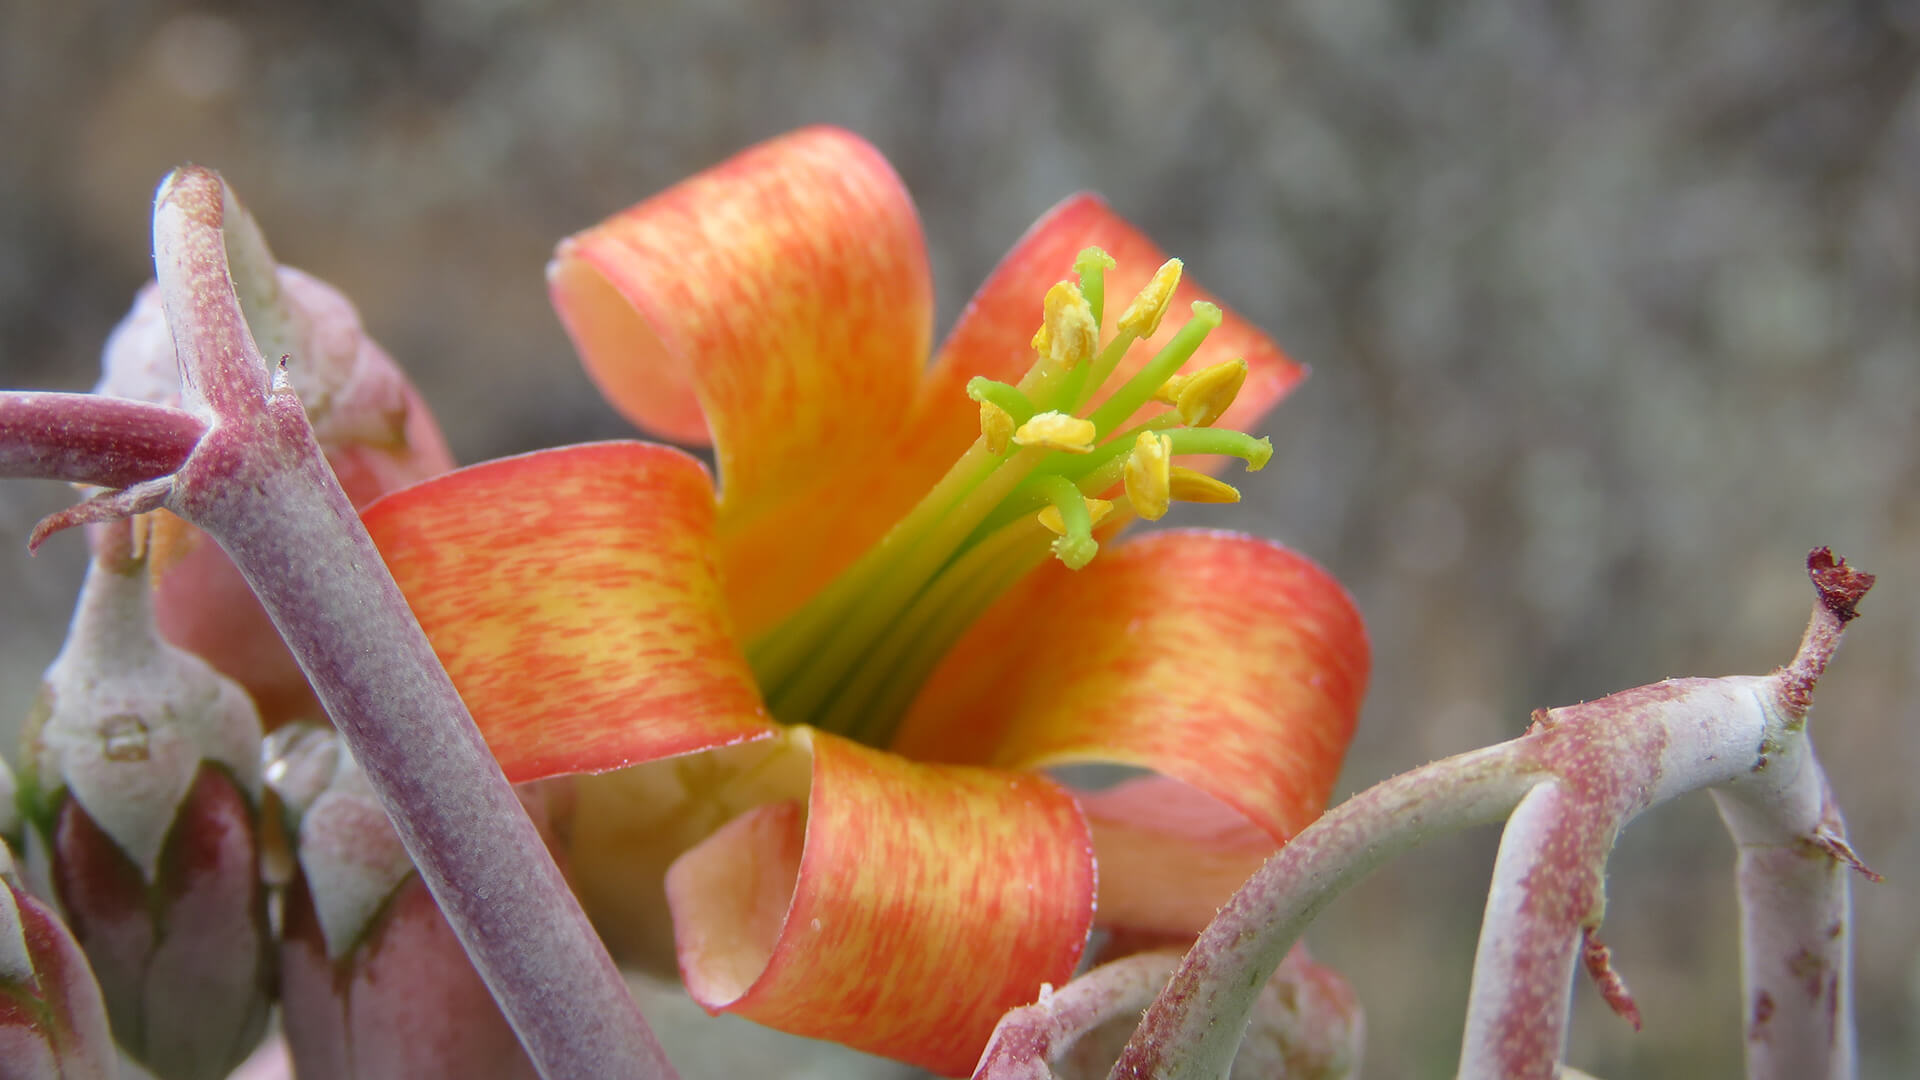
{"type": "Point", "coordinates": [1055, 461]}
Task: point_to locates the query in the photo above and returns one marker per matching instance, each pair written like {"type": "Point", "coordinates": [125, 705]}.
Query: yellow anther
{"type": "Point", "coordinates": [997, 425]}
{"type": "Point", "coordinates": [1142, 317]}
{"type": "Point", "coordinates": [1169, 392]}
{"type": "Point", "coordinates": [1070, 332]}
{"type": "Point", "coordinates": [1148, 475]}
{"type": "Point", "coordinates": [1194, 486]}
{"type": "Point", "coordinates": [1097, 510]}
{"type": "Point", "coordinates": [1040, 340]}
{"type": "Point", "coordinates": [1057, 431]}
{"type": "Point", "coordinates": [1202, 397]}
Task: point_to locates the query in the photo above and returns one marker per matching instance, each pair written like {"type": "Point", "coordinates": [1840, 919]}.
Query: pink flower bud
{"type": "Point", "coordinates": [142, 786]}
{"type": "Point", "coordinates": [377, 433]}
{"type": "Point", "coordinates": [373, 983]}
{"type": "Point", "coordinates": [52, 1020]}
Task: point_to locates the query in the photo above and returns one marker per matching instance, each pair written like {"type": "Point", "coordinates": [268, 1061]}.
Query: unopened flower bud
{"type": "Point", "coordinates": [373, 983]}
{"type": "Point", "coordinates": [377, 433]}
{"type": "Point", "coordinates": [297, 762]}
{"type": "Point", "coordinates": [141, 783]}
{"type": "Point", "coordinates": [53, 1022]}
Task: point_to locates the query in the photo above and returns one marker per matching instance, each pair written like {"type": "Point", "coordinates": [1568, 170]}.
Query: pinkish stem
{"type": "Point", "coordinates": [86, 439]}
{"type": "Point", "coordinates": [256, 480]}
{"type": "Point", "coordinates": [1028, 1039]}
{"type": "Point", "coordinates": [1577, 776]}
{"type": "Point", "coordinates": [1193, 1028]}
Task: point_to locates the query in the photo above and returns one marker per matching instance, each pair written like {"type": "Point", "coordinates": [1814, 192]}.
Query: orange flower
{"type": "Point", "coordinates": [870, 631]}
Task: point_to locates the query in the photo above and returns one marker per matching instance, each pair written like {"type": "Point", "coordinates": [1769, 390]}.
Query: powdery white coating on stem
{"type": "Point", "coordinates": [1194, 1028]}
{"type": "Point", "coordinates": [258, 483]}
{"type": "Point", "coordinates": [1577, 776]}
{"type": "Point", "coordinates": [1307, 1025]}
{"type": "Point", "coordinates": [1030, 1037]}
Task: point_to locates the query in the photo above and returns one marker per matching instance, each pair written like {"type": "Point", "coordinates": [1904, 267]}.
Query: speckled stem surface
{"type": "Point", "coordinates": [87, 439]}
{"type": "Point", "coordinates": [259, 484]}
{"type": "Point", "coordinates": [1577, 776]}
{"type": "Point", "coordinates": [240, 461]}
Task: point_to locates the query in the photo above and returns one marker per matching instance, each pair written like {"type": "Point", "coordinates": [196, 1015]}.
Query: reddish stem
{"type": "Point", "coordinates": [260, 485]}
{"type": "Point", "coordinates": [87, 439]}
{"type": "Point", "coordinates": [243, 465]}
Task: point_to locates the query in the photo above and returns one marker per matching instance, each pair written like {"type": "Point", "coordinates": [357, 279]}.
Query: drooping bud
{"type": "Point", "coordinates": [141, 789]}
{"type": "Point", "coordinates": [376, 432]}
{"type": "Point", "coordinates": [373, 983]}
{"type": "Point", "coordinates": [53, 1022]}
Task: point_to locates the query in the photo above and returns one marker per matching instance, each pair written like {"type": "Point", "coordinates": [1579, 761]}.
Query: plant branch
{"type": "Point", "coordinates": [259, 484]}
{"type": "Point", "coordinates": [246, 469]}
{"type": "Point", "coordinates": [1572, 782]}
{"type": "Point", "coordinates": [1030, 1037]}
{"type": "Point", "coordinates": [1193, 1029]}
{"type": "Point", "coordinates": [87, 439]}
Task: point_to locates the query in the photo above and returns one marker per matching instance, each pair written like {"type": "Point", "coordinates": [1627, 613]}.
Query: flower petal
{"type": "Point", "coordinates": [1221, 660]}
{"type": "Point", "coordinates": [1168, 854]}
{"type": "Point", "coordinates": [628, 826]}
{"type": "Point", "coordinates": [901, 912]}
{"type": "Point", "coordinates": [994, 334]}
{"type": "Point", "coordinates": [782, 304]}
{"type": "Point", "coordinates": [573, 597]}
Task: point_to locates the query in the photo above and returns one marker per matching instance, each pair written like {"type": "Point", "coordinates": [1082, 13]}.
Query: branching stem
{"type": "Point", "coordinates": [241, 463]}
{"type": "Point", "coordinates": [1571, 783]}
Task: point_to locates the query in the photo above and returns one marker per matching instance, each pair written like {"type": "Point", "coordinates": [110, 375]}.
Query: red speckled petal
{"type": "Point", "coordinates": [901, 912]}
{"type": "Point", "coordinates": [572, 595]}
{"type": "Point", "coordinates": [1221, 660]}
{"type": "Point", "coordinates": [994, 334]}
{"type": "Point", "coordinates": [780, 303]}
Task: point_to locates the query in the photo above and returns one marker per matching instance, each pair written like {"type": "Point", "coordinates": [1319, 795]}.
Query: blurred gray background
{"type": "Point", "coordinates": [1613, 306]}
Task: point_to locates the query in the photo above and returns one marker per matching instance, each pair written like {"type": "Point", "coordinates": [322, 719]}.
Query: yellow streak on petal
{"type": "Point", "coordinates": [1142, 316]}
{"type": "Point", "coordinates": [843, 920]}
{"type": "Point", "coordinates": [1097, 509]}
{"type": "Point", "coordinates": [997, 425]}
{"type": "Point", "coordinates": [1057, 431]}
{"type": "Point", "coordinates": [1204, 396]}
{"type": "Point", "coordinates": [1148, 475]}
{"type": "Point", "coordinates": [1194, 486]}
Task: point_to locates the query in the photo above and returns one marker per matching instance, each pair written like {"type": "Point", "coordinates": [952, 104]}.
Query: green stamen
{"type": "Point", "coordinates": [1092, 265]}
{"type": "Point", "coordinates": [852, 659]}
{"type": "Point", "coordinates": [1255, 452]}
{"type": "Point", "coordinates": [1076, 547]}
{"type": "Point", "coordinates": [1139, 390]}
{"type": "Point", "coordinates": [981, 388]}
{"type": "Point", "coordinates": [930, 626]}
